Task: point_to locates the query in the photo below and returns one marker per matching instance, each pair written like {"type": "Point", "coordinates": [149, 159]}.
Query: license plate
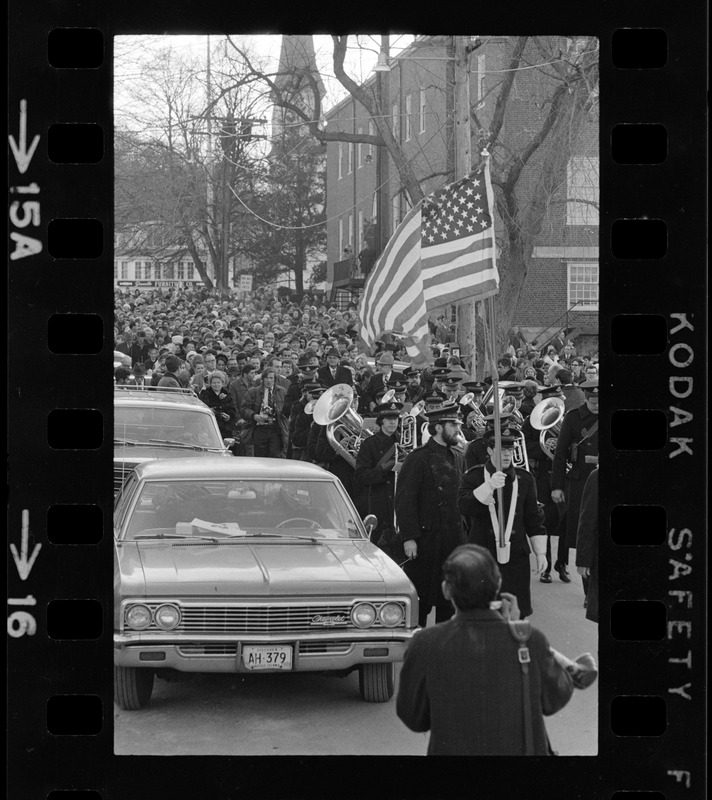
{"type": "Point", "coordinates": [273, 656]}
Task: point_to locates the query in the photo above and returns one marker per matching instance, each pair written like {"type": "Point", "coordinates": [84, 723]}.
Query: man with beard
{"type": "Point", "coordinates": [428, 519]}
{"type": "Point", "coordinates": [522, 518]}
{"type": "Point", "coordinates": [376, 467]}
{"type": "Point", "coordinates": [578, 438]}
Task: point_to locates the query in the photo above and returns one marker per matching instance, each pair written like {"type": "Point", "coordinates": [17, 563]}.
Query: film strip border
{"type": "Point", "coordinates": [653, 478]}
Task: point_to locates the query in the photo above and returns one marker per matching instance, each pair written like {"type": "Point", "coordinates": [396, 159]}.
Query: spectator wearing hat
{"type": "Point", "coordinates": [578, 438]}
{"type": "Point", "coordinates": [379, 381]}
{"type": "Point", "coordinates": [428, 519]}
{"type": "Point", "coordinates": [377, 463]}
{"type": "Point", "coordinates": [138, 378]}
{"type": "Point", "coordinates": [522, 518]}
{"type": "Point", "coordinates": [217, 399]}
{"type": "Point", "coordinates": [332, 372]}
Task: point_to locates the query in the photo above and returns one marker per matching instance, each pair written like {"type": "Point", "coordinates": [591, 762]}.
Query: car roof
{"type": "Point", "coordinates": [155, 397]}
{"type": "Point", "coordinates": [238, 468]}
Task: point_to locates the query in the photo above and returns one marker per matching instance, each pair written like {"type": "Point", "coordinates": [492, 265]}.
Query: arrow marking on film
{"type": "Point", "coordinates": [22, 155]}
{"type": "Point", "coordinates": [21, 561]}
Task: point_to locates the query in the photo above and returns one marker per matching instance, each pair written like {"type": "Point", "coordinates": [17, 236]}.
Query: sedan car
{"type": "Point", "coordinates": [251, 565]}
{"type": "Point", "coordinates": [152, 423]}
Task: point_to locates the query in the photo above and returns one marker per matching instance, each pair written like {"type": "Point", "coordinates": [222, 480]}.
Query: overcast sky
{"type": "Point", "coordinates": [361, 57]}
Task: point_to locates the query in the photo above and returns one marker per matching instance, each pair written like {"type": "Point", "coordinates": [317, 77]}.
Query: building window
{"type": "Point", "coordinates": [116, 270]}
{"type": "Point", "coordinates": [124, 270]}
{"type": "Point", "coordinates": [359, 157]}
{"type": "Point", "coordinates": [422, 111]}
{"type": "Point", "coordinates": [181, 270]}
{"type": "Point", "coordinates": [395, 213]}
{"type": "Point", "coordinates": [351, 231]}
{"type": "Point", "coordinates": [138, 271]}
{"type": "Point", "coordinates": [394, 120]}
{"type": "Point", "coordinates": [341, 238]}
{"type": "Point", "coordinates": [351, 157]}
{"type": "Point", "coordinates": [583, 285]}
{"type": "Point", "coordinates": [359, 233]}
{"type": "Point", "coordinates": [340, 160]}
{"type": "Point", "coordinates": [148, 270]}
{"type": "Point", "coordinates": [480, 78]}
{"type": "Point", "coordinates": [408, 118]}
{"type": "Point", "coordinates": [159, 272]}
{"type": "Point", "coordinates": [170, 272]}
{"type": "Point", "coordinates": [372, 132]}
{"type": "Point", "coordinates": [582, 191]}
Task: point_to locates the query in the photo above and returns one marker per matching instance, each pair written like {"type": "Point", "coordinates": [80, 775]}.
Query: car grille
{"type": "Point", "coordinates": [253, 619]}
{"type": "Point", "coordinates": [208, 650]}
{"type": "Point", "coordinates": [324, 648]}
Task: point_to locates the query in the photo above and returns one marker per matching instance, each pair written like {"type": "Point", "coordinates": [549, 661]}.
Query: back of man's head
{"type": "Point", "coordinates": [564, 377]}
{"type": "Point", "coordinates": [472, 576]}
{"type": "Point", "coordinates": [172, 363]}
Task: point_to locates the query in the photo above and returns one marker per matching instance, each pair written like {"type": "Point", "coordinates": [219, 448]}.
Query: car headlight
{"type": "Point", "coordinates": [390, 614]}
{"type": "Point", "coordinates": [167, 617]}
{"type": "Point", "coordinates": [138, 617]}
{"type": "Point", "coordinates": [363, 615]}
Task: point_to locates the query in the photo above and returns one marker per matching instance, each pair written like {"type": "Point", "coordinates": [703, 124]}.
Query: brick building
{"type": "Point", "coordinates": [561, 285]}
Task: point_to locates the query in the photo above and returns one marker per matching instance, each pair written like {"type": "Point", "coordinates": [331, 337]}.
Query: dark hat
{"type": "Point", "coordinates": [451, 382]}
{"type": "Point", "coordinates": [448, 412]}
{"type": "Point", "coordinates": [440, 362]}
{"type": "Point", "coordinates": [398, 385]}
{"type": "Point", "coordinates": [509, 432]}
{"type": "Point", "coordinates": [515, 390]}
{"type": "Point", "coordinates": [477, 387]}
{"type": "Point", "coordinates": [590, 387]}
{"type": "Point", "coordinates": [304, 361]}
{"type": "Point", "coordinates": [309, 385]}
{"type": "Point", "coordinates": [391, 409]}
{"type": "Point", "coordinates": [440, 373]}
{"type": "Point", "coordinates": [386, 358]}
{"type": "Point", "coordinates": [551, 391]}
{"type": "Point", "coordinates": [241, 356]}
{"type": "Point", "coordinates": [434, 396]}
{"type": "Point", "coordinates": [411, 372]}
{"type": "Point", "coordinates": [332, 351]}
{"type": "Point", "coordinates": [318, 390]}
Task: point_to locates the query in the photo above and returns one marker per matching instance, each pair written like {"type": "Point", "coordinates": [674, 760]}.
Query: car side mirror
{"type": "Point", "coordinates": [229, 442]}
{"type": "Point", "coordinates": [370, 523]}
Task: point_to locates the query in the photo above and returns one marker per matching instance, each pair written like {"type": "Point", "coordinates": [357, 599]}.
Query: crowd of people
{"type": "Point", "coordinates": [428, 460]}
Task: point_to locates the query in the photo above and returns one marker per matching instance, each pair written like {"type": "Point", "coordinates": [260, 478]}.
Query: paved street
{"type": "Point", "coordinates": [310, 714]}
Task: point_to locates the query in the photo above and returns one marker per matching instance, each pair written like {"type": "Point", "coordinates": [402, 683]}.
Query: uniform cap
{"type": "Point", "coordinates": [590, 387]}
{"type": "Point", "coordinates": [448, 412]}
{"type": "Point", "coordinates": [389, 410]}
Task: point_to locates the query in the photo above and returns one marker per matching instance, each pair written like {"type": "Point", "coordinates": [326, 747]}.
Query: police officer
{"type": "Point", "coordinates": [578, 438]}
{"type": "Point", "coordinates": [522, 518]}
{"type": "Point", "coordinates": [376, 467]}
{"type": "Point", "coordinates": [429, 522]}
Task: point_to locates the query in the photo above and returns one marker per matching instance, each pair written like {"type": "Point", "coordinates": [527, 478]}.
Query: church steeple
{"type": "Point", "coordinates": [297, 75]}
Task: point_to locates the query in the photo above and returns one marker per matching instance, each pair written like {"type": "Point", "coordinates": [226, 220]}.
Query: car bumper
{"type": "Point", "coordinates": [214, 654]}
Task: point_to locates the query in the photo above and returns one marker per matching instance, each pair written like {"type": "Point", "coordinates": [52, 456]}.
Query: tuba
{"type": "Point", "coordinates": [547, 417]}
{"type": "Point", "coordinates": [344, 427]}
{"type": "Point", "coordinates": [408, 437]}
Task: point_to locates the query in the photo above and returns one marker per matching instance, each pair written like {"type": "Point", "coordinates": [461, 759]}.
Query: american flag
{"type": "Point", "coordinates": [442, 252]}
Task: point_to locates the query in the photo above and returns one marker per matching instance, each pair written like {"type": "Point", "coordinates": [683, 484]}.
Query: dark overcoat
{"type": "Point", "coordinates": [343, 375]}
{"type": "Point", "coordinates": [462, 681]}
{"type": "Point", "coordinates": [587, 542]}
{"type": "Point", "coordinates": [573, 429]}
{"type": "Point", "coordinates": [528, 521]}
{"type": "Point", "coordinates": [378, 483]}
{"type": "Point", "coordinates": [221, 404]}
{"type": "Point", "coordinates": [427, 512]}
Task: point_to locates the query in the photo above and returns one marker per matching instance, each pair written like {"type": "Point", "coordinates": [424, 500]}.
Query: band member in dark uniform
{"type": "Point", "coordinates": [433, 399]}
{"type": "Point", "coordinates": [414, 390]}
{"type": "Point", "coordinates": [376, 465]}
{"type": "Point", "coordinates": [522, 518]}
{"type": "Point", "coordinates": [578, 438]}
{"type": "Point", "coordinates": [554, 513]}
{"type": "Point", "coordinates": [429, 522]}
{"type": "Point", "coordinates": [587, 544]}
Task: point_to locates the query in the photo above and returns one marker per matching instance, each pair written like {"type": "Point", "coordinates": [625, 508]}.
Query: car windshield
{"type": "Point", "coordinates": [140, 425]}
{"type": "Point", "coordinates": [250, 508]}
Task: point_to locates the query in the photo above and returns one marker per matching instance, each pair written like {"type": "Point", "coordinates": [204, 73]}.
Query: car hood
{"type": "Point", "coordinates": [259, 569]}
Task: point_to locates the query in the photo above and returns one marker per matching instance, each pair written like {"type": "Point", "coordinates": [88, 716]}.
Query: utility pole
{"type": "Point", "coordinates": [383, 207]}
{"type": "Point", "coordinates": [466, 317]}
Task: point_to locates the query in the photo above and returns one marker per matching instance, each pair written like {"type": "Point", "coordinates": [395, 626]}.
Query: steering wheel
{"type": "Point", "coordinates": [312, 524]}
